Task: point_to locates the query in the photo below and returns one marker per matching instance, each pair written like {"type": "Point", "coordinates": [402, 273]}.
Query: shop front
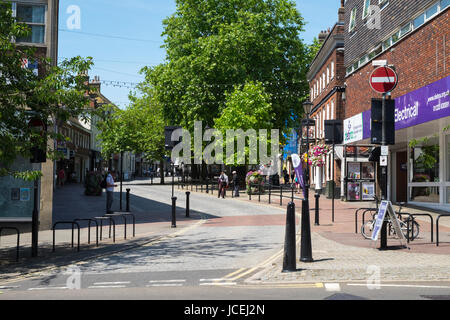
{"type": "Point", "coordinates": [419, 162]}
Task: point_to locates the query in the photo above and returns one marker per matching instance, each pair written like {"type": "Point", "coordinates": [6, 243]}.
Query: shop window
{"type": "Point", "coordinates": [425, 194]}
{"type": "Point", "coordinates": [426, 161]}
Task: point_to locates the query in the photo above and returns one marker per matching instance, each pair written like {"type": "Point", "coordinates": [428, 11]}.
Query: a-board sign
{"type": "Point", "coordinates": [386, 207]}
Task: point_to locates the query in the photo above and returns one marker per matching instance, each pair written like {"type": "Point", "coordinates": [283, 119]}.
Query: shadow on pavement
{"type": "Point", "coordinates": [70, 203]}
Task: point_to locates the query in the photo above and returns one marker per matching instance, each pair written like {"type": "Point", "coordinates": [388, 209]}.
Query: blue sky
{"type": "Point", "coordinates": [136, 27]}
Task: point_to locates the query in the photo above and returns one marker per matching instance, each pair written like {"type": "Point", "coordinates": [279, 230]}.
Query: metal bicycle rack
{"type": "Point", "coordinates": [111, 222]}
{"type": "Point", "coordinates": [89, 228]}
{"type": "Point", "coordinates": [437, 226]}
{"type": "Point", "coordinates": [73, 223]}
{"type": "Point", "coordinates": [124, 216]}
{"type": "Point", "coordinates": [18, 238]}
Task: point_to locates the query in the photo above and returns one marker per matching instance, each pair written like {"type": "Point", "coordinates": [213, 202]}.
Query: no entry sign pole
{"type": "Point", "coordinates": [383, 80]}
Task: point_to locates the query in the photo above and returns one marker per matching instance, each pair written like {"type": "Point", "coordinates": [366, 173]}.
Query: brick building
{"type": "Point", "coordinates": [326, 78]}
{"type": "Point", "coordinates": [413, 37]}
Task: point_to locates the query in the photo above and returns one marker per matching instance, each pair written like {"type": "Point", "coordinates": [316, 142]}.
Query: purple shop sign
{"type": "Point", "coordinates": [423, 105]}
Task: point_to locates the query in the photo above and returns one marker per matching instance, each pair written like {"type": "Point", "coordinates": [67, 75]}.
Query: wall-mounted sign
{"type": "Point", "coordinates": [25, 194]}
{"type": "Point", "coordinates": [353, 129]}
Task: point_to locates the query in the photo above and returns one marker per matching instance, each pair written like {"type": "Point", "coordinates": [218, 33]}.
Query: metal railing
{"type": "Point", "coordinates": [437, 226]}
{"type": "Point", "coordinates": [73, 223]}
{"type": "Point", "coordinates": [18, 238]}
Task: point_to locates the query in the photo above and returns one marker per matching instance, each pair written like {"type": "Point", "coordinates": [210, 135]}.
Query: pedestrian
{"type": "Point", "coordinates": [285, 176]}
{"type": "Point", "coordinates": [236, 184]}
{"type": "Point", "coordinates": [223, 184]}
{"type": "Point", "coordinates": [110, 191]}
{"type": "Point", "coordinates": [61, 177]}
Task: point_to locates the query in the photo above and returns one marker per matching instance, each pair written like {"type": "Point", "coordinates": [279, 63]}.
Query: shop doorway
{"type": "Point", "coordinates": [402, 177]}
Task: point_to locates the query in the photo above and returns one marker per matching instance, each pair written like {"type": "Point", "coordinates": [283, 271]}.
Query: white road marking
{"type": "Point", "coordinates": [333, 287]}
{"type": "Point", "coordinates": [48, 288]}
{"type": "Point", "coordinates": [399, 286]}
{"type": "Point", "coordinates": [110, 283]}
{"type": "Point", "coordinates": [165, 285]}
{"type": "Point", "coordinates": [164, 281]}
{"type": "Point", "coordinates": [218, 284]}
{"type": "Point", "coordinates": [106, 287]}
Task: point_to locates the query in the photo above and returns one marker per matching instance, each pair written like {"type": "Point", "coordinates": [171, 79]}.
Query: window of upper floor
{"type": "Point", "coordinates": [34, 16]}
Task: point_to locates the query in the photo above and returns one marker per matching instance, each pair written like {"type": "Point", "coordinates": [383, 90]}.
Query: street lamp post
{"type": "Point", "coordinates": [306, 250]}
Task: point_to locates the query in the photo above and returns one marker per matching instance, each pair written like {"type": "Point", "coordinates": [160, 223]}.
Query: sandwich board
{"type": "Point", "coordinates": [386, 207]}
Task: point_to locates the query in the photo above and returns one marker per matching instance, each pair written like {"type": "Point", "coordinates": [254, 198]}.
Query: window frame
{"type": "Point", "coordinates": [352, 24]}
{"type": "Point", "coordinates": [366, 7]}
{"type": "Point", "coordinates": [15, 6]}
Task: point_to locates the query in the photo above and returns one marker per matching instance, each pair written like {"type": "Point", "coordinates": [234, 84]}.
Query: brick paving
{"type": "Point", "coordinates": [340, 254]}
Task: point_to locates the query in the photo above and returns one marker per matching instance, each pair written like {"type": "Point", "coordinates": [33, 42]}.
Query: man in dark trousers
{"type": "Point", "coordinates": [223, 184]}
{"type": "Point", "coordinates": [110, 191]}
{"type": "Point", "coordinates": [236, 184]}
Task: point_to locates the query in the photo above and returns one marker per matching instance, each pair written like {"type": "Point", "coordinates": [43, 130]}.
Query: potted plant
{"type": "Point", "coordinates": [92, 184]}
{"type": "Point", "coordinates": [255, 182]}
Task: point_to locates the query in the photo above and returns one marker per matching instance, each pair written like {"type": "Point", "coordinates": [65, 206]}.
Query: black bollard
{"type": "Point", "coordinates": [306, 250]}
{"type": "Point", "coordinates": [289, 260]}
{"type": "Point", "coordinates": [174, 208]}
{"type": "Point", "coordinates": [316, 218]}
{"type": "Point", "coordinates": [128, 200]}
{"type": "Point", "coordinates": [187, 204]}
{"type": "Point", "coordinates": [281, 195]}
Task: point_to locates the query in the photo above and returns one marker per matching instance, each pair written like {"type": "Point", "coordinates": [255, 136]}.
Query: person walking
{"type": "Point", "coordinates": [61, 177]}
{"type": "Point", "coordinates": [223, 184]}
{"type": "Point", "coordinates": [236, 184]}
{"type": "Point", "coordinates": [110, 191]}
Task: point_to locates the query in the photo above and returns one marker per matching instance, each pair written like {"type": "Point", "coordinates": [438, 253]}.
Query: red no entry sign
{"type": "Point", "coordinates": [383, 79]}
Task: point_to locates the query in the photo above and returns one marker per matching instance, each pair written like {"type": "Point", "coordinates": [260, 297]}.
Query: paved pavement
{"type": "Point", "coordinates": [339, 254]}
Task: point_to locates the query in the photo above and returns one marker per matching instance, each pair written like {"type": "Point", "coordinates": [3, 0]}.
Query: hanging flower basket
{"type": "Point", "coordinates": [316, 155]}
{"type": "Point", "coordinates": [254, 181]}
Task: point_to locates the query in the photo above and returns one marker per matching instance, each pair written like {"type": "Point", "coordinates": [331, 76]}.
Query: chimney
{"type": "Point", "coordinates": [95, 84]}
{"type": "Point", "coordinates": [322, 36]}
{"type": "Point", "coordinates": [341, 12]}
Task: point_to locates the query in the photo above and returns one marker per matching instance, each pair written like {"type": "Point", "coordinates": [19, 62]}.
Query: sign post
{"type": "Point", "coordinates": [383, 80]}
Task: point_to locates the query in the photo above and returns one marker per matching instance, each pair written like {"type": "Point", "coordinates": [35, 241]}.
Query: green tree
{"type": "Point", "coordinates": [56, 94]}
{"type": "Point", "coordinates": [213, 45]}
{"type": "Point", "coordinates": [247, 107]}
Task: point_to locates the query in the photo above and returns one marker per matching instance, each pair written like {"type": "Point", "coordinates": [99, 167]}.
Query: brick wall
{"type": "Point", "coordinates": [420, 58]}
{"type": "Point", "coordinates": [394, 15]}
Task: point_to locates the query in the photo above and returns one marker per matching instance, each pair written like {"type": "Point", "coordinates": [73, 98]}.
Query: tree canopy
{"type": "Point", "coordinates": [214, 45]}
{"type": "Point", "coordinates": [55, 94]}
